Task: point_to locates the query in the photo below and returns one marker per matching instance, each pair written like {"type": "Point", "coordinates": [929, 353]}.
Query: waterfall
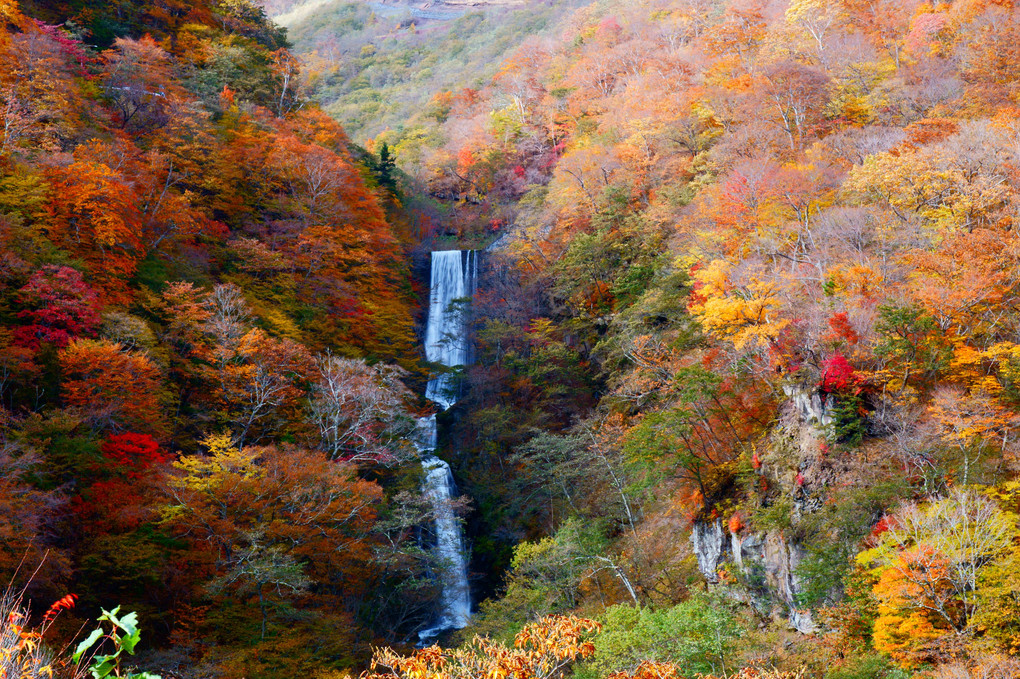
{"type": "Point", "coordinates": [446, 343]}
{"type": "Point", "coordinates": [456, 596]}
{"type": "Point", "coordinates": [453, 279]}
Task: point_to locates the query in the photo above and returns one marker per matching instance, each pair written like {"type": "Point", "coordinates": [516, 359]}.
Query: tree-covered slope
{"type": "Point", "coordinates": [206, 326]}
{"type": "Point", "coordinates": [750, 323]}
{"type": "Point", "coordinates": [374, 66]}
{"type": "Point", "coordinates": [744, 393]}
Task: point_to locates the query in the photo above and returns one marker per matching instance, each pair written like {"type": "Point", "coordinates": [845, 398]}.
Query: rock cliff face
{"type": "Point", "coordinates": [810, 407]}
{"type": "Point", "coordinates": [709, 543]}
{"type": "Point", "coordinates": [765, 562]}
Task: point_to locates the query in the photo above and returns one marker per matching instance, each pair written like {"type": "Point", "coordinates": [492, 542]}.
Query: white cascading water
{"type": "Point", "coordinates": [453, 278]}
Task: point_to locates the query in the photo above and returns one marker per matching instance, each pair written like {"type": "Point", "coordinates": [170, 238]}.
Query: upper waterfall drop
{"type": "Point", "coordinates": [453, 279]}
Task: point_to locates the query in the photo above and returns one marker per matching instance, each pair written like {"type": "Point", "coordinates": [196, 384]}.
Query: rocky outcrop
{"type": "Point", "coordinates": [809, 405]}
{"type": "Point", "coordinates": [780, 559]}
{"type": "Point", "coordinates": [766, 564]}
{"type": "Point", "coordinates": [798, 467]}
{"type": "Point", "coordinates": [709, 542]}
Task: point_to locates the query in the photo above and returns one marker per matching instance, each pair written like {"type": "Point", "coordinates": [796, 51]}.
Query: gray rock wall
{"type": "Point", "coordinates": [766, 563]}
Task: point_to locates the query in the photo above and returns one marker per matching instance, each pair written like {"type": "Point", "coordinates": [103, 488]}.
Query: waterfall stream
{"type": "Point", "coordinates": [446, 343]}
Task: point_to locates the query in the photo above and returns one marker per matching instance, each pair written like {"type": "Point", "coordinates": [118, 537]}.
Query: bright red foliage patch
{"type": "Point", "coordinates": [838, 375]}
{"type": "Point", "coordinates": [60, 306]}
{"type": "Point", "coordinates": [133, 452]}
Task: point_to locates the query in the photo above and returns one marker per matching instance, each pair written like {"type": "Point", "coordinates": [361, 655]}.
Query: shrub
{"type": "Point", "coordinates": [698, 634]}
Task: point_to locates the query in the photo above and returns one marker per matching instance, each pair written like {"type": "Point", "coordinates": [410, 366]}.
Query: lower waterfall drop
{"type": "Point", "coordinates": [440, 489]}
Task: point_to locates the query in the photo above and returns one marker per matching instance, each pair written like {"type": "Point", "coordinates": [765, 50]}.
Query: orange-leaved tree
{"type": "Point", "coordinates": [114, 389]}
{"type": "Point", "coordinates": [546, 649]}
{"type": "Point", "coordinates": [928, 567]}
{"type": "Point", "coordinates": [95, 216]}
{"type": "Point", "coordinates": [277, 520]}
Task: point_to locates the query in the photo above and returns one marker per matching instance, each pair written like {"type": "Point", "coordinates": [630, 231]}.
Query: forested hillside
{"type": "Point", "coordinates": [756, 278]}
{"type": "Point", "coordinates": [745, 376]}
{"type": "Point", "coordinates": [206, 325]}
{"type": "Point", "coordinates": [373, 66]}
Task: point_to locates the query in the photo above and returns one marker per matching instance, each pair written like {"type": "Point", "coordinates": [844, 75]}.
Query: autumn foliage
{"type": "Point", "coordinates": [546, 649]}
{"type": "Point", "coordinates": [779, 241]}
{"type": "Point", "coordinates": [748, 323]}
{"type": "Point", "coordinates": [59, 306]}
{"type": "Point", "coordinates": [181, 236]}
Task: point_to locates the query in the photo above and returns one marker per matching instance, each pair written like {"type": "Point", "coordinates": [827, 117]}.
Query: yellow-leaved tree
{"type": "Point", "coordinates": [277, 520]}
{"type": "Point", "coordinates": [747, 315]}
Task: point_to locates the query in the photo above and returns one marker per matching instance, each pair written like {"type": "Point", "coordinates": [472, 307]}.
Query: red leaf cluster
{"type": "Point", "coordinates": [60, 306]}
{"type": "Point", "coordinates": [65, 603]}
{"type": "Point", "coordinates": [838, 376]}
{"type": "Point", "coordinates": [133, 452]}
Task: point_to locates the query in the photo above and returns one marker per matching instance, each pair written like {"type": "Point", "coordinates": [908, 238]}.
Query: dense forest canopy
{"type": "Point", "coordinates": [746, 343]}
